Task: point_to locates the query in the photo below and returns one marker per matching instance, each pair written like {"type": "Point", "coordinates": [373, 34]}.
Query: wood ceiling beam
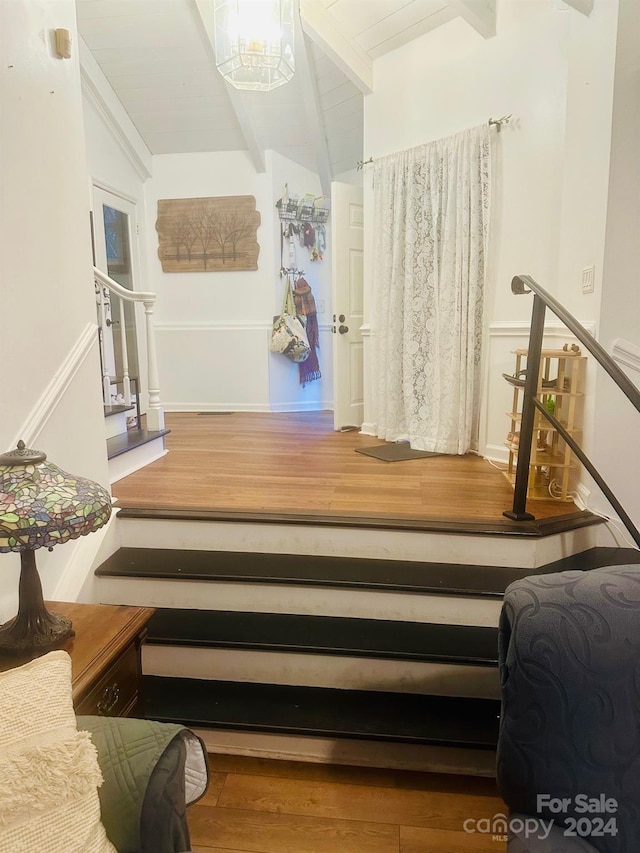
{"type": "Point", "coordinates": [479, 14]}
{"type": "Point", "coordinates": [321, 28]}
{"type": "Point", "coordinates": [243, 117]}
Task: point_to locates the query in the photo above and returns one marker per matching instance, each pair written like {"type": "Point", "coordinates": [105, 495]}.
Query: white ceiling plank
{"type": "Point", "coordinates": [346, 108]}
{"type": "Point", "coordinates": [193, 140]}
{"type": "Point", "coordinates": [354, 18]}
{"type": "Point", "coordinates": [480, 14]}
{"type": "Point", "coordinates": [393, 40]}
{"type": "Point", "coordinates": [331, 81]}
{"type": "Point", "coordinates": [167, 89]}
{"type": "Point", "coordinates": [96, 88]}
{"type": "Point", "coordinates": [321, 29]}
{"type": "Point", "coordinates": [89, 9]}
{"type": "Point", "coordinates": [352, 121]}
{"type": "Point", "coordinates": [152, 102]}
{"type": "Point", "coordinates": [312, 108]}
{"type": "Point", "coordinates": [584, 6]}
{"type": "Point", "coordinates": [337, 96]}
{"type": "Point", "coordinates": [243, 116]}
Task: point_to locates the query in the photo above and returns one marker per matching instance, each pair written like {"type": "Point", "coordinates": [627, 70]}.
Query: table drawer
{"type": "Point", "coordinates": [115, 693]}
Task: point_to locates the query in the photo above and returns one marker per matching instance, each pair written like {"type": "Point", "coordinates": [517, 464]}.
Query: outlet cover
{"type": "Point", "coordinates": [588, 275]}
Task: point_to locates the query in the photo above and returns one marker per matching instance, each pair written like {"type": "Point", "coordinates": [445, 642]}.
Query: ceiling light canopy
{"type": "Point", "coordinates": [255, 42]}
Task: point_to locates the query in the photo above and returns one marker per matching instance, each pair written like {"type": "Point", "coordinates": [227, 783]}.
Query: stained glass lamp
{"type": "Point", "coordinates": [255, 42]}
{"type": "Point", "coordinates": [41, 506]}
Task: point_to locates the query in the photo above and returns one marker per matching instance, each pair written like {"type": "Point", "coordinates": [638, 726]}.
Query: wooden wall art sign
{"type": "Point", "coordinates": [208, 234]}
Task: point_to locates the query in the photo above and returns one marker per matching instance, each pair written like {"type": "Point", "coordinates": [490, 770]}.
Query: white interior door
{"type": "Point", "coordinates": [347, 232]}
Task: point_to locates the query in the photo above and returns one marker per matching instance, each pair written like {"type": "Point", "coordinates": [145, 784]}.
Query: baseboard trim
{"type": "Point", "coordinates": [304, 406]}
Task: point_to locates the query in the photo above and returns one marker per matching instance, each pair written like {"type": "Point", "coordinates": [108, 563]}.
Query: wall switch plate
{"type": "Point", "coordinates": [321, 306]}
{"type": "Point", "coordinates": [588, 275]}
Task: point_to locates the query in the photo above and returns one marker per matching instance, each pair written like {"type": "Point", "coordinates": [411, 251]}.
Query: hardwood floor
{"type": "Point", "coordinates": [266, 806]}
{"type": "Point", "coordinates": [298, 463]}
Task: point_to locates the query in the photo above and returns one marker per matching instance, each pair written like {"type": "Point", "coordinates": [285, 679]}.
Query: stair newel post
{"type": "Point", "coordinates": [155, 412]}
{"type": "Point", "coordinates": [124, 353]}
{"type": "Point", "coordinates": [519, 512]}
{"type": "Point", "coordinates": [102, 319]}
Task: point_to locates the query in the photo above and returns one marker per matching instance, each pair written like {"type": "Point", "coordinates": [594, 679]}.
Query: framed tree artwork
{"type": "Point", "coordinates": [208, 234]}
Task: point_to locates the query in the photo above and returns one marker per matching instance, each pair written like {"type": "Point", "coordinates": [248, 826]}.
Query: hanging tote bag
{"type": "Point", "coordinates": [288, 335]}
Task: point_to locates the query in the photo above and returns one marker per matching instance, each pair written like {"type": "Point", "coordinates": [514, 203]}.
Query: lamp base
{"type": "Point", "coordinates": [18, 636]}
{"type": "Point", "coordinates": [34, 628]}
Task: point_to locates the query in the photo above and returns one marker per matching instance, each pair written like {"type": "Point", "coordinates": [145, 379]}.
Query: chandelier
{"type": "Point", "coordinates": [254, 42]}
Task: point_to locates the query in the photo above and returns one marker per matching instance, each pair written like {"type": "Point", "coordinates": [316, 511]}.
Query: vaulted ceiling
{"type": "Point", "coordinates": [158, 57]}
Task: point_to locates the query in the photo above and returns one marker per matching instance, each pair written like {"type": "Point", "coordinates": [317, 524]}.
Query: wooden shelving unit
{"type": "Point", "coordinates": [560, 385]}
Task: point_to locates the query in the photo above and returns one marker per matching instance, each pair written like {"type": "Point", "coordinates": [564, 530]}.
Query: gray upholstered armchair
{"type": "Point", "coordinates": [570, 725]}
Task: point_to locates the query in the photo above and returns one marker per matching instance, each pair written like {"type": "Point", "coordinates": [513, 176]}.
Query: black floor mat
{"type": "Point", "coordinates": [395, 452]}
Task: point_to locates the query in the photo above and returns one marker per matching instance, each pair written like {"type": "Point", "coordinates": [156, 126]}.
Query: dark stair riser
{"type": "Point", "coordinates": [342, 572]}
{"type": "Point", "coordinates": [323, 712]}
{"type": "Point", "coordinates": [326, 635]}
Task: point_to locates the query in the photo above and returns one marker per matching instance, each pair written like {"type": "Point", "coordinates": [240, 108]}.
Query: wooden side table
{"type": "Point", "coordinates": [105, 656]}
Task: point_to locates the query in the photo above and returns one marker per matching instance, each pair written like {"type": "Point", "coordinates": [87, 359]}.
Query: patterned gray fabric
{"type": "Point", "coordinates": [570, 724]}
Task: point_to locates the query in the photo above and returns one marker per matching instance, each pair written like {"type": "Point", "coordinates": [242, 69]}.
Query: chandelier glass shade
{"type": "Point", "coordinates": [254, 42]}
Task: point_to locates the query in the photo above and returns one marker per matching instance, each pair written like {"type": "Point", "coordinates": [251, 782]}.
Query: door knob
{"type": "Point", "coordinates": [342, 318]}
{"type": "Point", "coordinates": [343, 329]}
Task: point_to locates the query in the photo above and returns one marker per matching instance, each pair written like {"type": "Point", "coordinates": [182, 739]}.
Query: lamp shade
{"type": "Point", "coordinates": [254, 41]}
{"type": "Point", "coordinates": [42, 506]}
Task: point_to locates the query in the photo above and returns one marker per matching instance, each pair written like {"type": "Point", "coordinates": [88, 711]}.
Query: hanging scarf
{"type": "Point", "coordinates": [306, 306]}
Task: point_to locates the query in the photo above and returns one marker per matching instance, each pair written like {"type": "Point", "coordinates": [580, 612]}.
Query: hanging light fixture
{"type": "Point", "coordinates": [255, 42]}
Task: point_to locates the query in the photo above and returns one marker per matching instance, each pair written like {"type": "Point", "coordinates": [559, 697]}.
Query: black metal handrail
{"type": "Point", "coordinates": [541, 301]}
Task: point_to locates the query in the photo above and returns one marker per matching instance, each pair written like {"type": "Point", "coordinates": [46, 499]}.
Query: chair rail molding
{"type": "Point", "coordinates": [52, 394]}
{"type": "Point", "coordinates": [515, 328]}
{"type": "Point", "coordinates": [626, 353]}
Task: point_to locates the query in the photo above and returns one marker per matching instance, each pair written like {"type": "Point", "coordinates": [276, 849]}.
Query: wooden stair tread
{"type": "Point", "coordinates": [132, 438]}
{"type": "Point", "coordinates": [328, 635]}
{"type": "Point", "coordinates": [388, 521]}
{"type": "Point", "coordinates": [346, 572]}
{"type": "Point", "coordinates": [312, 570]}
{"type": "Point", "coordinates": [323, 712]}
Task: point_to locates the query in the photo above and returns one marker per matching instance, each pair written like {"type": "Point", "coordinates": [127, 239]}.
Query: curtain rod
{"type": "Point", "coordinates": [498, 122]}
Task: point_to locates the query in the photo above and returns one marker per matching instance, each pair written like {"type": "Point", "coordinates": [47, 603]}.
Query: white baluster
{"type": "Point", "coordinates": [155, 412]}
{"type": "Point", "coordinates": [106, 381]}
{"type": "Point", "coordinates": [126, 381]}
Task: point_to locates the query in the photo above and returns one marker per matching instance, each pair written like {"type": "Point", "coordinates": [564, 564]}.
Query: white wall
{"type": "Point", "coordinates": [552, 68]}
{"type": "Point", "coordinates": [286, 394]}
{"type": "Point", "coordinates": [45, 280]}
{"type": "Point", "coordinates": [213, 328]}
{"type": "Point", "coordinates": [617, 425]}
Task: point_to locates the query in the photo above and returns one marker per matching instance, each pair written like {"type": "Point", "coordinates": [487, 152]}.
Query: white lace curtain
{"type": "Point", "coordinates": [431, 228]}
